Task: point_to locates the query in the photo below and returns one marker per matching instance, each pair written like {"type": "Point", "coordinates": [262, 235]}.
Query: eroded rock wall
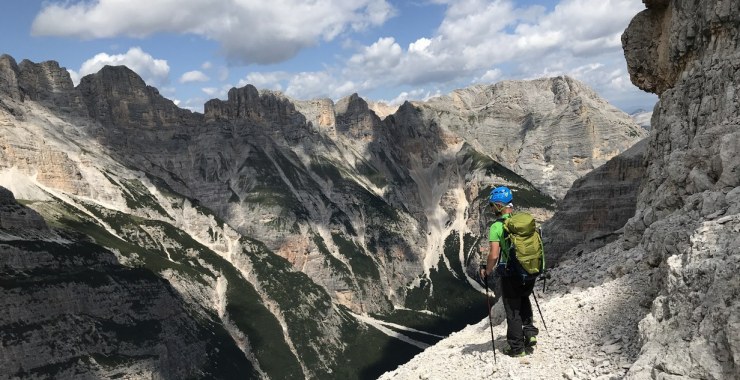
{"type": "Point", "coordinates": [597, 206]}
{"type": "Point", "coordinates": [69, 310]}
{"type": "Point", "coordinates": [551, 131]}
{"type": "Point", "coordinates": [688, 212]}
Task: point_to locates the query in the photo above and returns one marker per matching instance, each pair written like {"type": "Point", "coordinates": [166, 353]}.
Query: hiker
{"type": "Point", "coordinates": [521, 333]}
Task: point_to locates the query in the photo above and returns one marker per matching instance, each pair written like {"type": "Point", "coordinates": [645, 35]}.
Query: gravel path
{"type": "Point", "coordinates": [592, 312]}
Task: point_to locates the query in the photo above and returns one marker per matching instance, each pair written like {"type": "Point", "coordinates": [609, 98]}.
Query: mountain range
{"type": "Point", "coordinates": [266, 237]}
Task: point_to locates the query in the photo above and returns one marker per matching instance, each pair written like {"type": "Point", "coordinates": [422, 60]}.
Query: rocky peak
{"type": "Point", "coordinates": [42, 80]}
{"type": "Point", "coordinates": [355, 119]}
{"type": "Point", "coordinates": [656, 3]}
{"type": "Point", "coordinates": [241, 103]}
{"type": "Point", "coordinates": [117, 96]}
{"type": "Point", "coordinates": [382, 109]}
{"type": "Point", "coordinates": [119, 81]}
{"type": "Point", "coordinates": [405, 123]}
{"type": "Point", "coordinates": [9, 77]}
{"type": "Point", "coordinates": [320, 113]}
{"type": "Point", "coordinates": [551, 130]}
{"type": "Point", "coordinates": [247, 104]}
{"type": "Point", "coordinates": [352, 105]}
{"type": "Point", "coordinates": [696, 72]}
{"type": "Point", "coordinates": [50, 84]}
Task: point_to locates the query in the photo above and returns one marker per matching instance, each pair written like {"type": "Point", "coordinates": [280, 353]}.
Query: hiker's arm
{"type": "Point", "coordinates": [492, 257]}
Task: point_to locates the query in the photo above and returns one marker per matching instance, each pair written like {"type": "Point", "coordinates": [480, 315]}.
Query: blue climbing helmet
{"type": "Point", "coordinates": [501, 195]}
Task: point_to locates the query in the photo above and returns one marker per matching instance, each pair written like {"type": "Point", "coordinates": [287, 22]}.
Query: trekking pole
{"type": "Point", "coordinates": [490, 322]}
{"type": "Point", "coordinates": [544, 264]}
{"type": "Point", "coordinates": [540, 311]}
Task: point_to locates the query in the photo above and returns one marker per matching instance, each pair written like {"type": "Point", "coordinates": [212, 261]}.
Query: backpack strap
{"type": "Point", "coordinates": [506, 237]}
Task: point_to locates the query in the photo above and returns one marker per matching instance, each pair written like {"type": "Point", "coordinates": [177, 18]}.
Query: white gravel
{"type": "Point", "coordinates": [592, 310]}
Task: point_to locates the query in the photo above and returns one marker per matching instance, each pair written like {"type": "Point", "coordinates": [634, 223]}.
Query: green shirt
{"type": "Point", "coordinates": [496, 234]}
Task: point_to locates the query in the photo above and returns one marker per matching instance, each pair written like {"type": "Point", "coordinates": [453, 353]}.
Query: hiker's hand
{"type": "Point", "coordinates": [482, 278]}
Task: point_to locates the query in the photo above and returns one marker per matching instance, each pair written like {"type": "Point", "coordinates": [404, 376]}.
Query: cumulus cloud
{"type": "Point", "coordinates": [478, 41]}
{"type": "Point", "coordinates": [153, 71]}
{"type": "Point", "coordinates": [490, 76]}
{"type": "Point", "coordinates": [269, 80]}
{"type": "Point", "coordinates": [312, 85]}
{"type": "Point", "coordinates": [378, 57]}
{"type": "Point", "coordinates": [248, 31]}
{"type": "Point", "coordinates": [304, 85]}
{"type": "Point", "coordinates": [493, 40]}
{"type": "Point", "coordinates": [411, 95]}
{"type": "Point", "coordinates": [194, 76]}
{"type": "Point", "coordinates": [210, 91]}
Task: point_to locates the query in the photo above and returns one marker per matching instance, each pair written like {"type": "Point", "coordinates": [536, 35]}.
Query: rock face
{"type": "Point", "coordinates": [117, 97]}
{"type": "Point", "coordinates": [81, 314]}
{"type": "Point", "coordinates": [9, 77]}
{"type": "Point", "coordinates": [597, 206]}
{"type": "Point", "coordinates": [688, 210]}
{"type": "Point", "coordinates": [551, 131]}
{"type": "Point", "coordinates": [18, 221]}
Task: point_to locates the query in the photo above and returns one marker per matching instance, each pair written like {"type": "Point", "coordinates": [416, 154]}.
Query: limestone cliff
{"type": "Point", "coordinates": [551, 130]}
{"type": "Point", "coordinates": [597, 206]}
{"type": "Point", "coordinates": [688, 211]}
{"type": "Point", "coordinates": [18, 222]}
{"type": "Point", "coordinates": [69, 309]}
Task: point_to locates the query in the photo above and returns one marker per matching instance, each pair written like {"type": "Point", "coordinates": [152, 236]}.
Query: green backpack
{"type": "Point", "coordinates": [525, 244]}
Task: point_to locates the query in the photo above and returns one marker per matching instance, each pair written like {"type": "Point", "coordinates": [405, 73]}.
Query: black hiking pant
{"type": "Point", "coordinates": [519, 324]}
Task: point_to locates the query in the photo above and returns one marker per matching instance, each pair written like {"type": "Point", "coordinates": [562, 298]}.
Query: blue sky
{"type": "Point", "coordinates": [384, 50]}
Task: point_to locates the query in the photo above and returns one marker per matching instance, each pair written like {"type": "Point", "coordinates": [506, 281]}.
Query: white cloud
{"type": "Point", "coordinates": [379, 57]}
{"type": "Point", "coordinates": [490, 76]}
{"type": "Point", "coordinates": [194, 76]}
{"type": "Point", "coordinates": [308, 85]}
{"type": "Point", "coordinates": [207, 65]}
{"type": "Point", "coordinates": [269, 80]}
{"type": "Point", "coordinates": [478, 41]}
{"type": "Point", "coordinates": [153, 71]}
{"type": "Point", "coordinates": [210, 91]}
{"type": "Point", "coordinates": [410, 95]}
{"type": "Point", "coordinates": [420, 46]}
{"type": "Point", "coordinates": [249, 31]}
{"type": "Point", "coordinates": [217, 92]}
{"type": "Point", "coordinates": [505, 41]}
{"type": "Point", "coordinates": [75, 76]}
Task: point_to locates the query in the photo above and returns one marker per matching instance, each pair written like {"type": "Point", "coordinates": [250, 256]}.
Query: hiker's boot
{"type": "Point", "coordinates": [509, 352]}
{"type": "Point", "coordinates": [531, 341]}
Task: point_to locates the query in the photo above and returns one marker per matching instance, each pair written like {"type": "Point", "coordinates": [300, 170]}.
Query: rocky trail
{"type": "Point", "coordinates": [592, 310]}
